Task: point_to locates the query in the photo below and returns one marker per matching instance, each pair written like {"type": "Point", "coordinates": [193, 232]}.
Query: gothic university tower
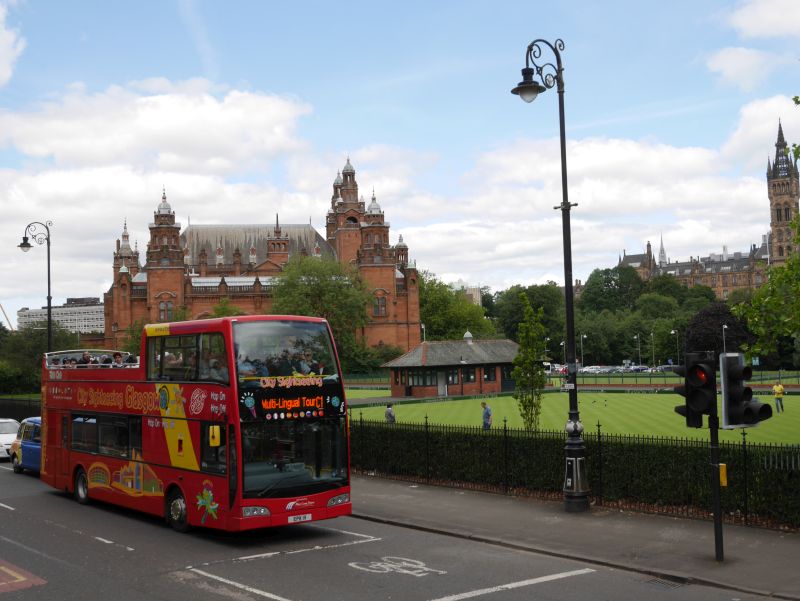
{"type": "Point", "coordinates": [190, 272]}
{"type": "Point", "coordinates": [784, 192]}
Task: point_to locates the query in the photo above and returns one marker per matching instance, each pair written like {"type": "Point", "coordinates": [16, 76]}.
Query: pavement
{"type": "Point", "coordinates": [756, 560]}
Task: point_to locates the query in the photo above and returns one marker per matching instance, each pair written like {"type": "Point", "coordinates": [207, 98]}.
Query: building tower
{"type": "Point", "coordinates": [784, 191]}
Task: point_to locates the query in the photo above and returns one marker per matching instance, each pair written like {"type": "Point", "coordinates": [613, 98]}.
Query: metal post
{"type": "Point", "coordinates": [744, 472]}
{"type": "Point", "coordinates": [34, 230]}
{"type": "Point", "coordinates": [713, 426]}
{"type": "Point", "coordinates": [576, 491]}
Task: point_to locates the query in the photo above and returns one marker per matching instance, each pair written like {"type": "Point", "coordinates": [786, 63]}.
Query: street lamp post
{"type": "Point", "coordinates": [724, 327]}
{"type": "Point", "coordinates": [40, 232]}
{"type": "Point", "coordinates": [653, 347]}
{"type": "Point", "coordinates": [582, 338]}
{"type": "Point", "coordinates": [564, 348]}
{"type": "Point", "coordinates": [677, 346]}
{"type": "Point", "coordinates": [639, 345]}
{"type": "Point", "coordinates": [576, 485]}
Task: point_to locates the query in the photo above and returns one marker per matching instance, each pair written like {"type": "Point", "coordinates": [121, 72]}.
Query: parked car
{"type": "Point", "coordinates": [8, 433]}
{"type": "Point", "coordinates": [26, 450]}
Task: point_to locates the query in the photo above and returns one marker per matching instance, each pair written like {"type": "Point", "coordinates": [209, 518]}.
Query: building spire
{"type": "Point", "coordinates": [662, 254]}
{"type": "Point", "coordinates": [782, 167]}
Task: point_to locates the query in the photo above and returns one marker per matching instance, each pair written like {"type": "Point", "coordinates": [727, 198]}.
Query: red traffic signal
{"type": "Point", "coordinates": [699, 388]}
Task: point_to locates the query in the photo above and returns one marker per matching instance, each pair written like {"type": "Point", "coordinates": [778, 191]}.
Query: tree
{"type": "Point", "coordinates": [22, 351]}
{"type": "Point", "coordinates": [704, 332]}
{"type": "Point", "coordinates": [321, 287]}
{"type": "Point", "coordinates": [739, 296]}
{"type": "Point", "coordinates": [652, 305]}
{"type": "Point", "coordinates": [528, 372]}
{"type": "Point", "coordinates": [773, 314]}
{"type": "Point", "coordinates": [667, 284]}
{"type": "Point", "coordinates": [549, 297]}
{"type": "Point", "coordinates": [225, 309]}
{"type": "Point", "coordinates": [701, 291]}
{"type": "Point", "coordinates": [133, 337]}
{"type": "Point", "coordinates": [448, 314]}
{"type": "Point", "coordinates": [613, 289]}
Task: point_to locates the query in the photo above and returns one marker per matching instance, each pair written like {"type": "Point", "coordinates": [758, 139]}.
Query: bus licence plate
{"type": "Point", "coordinates": [294, 519]}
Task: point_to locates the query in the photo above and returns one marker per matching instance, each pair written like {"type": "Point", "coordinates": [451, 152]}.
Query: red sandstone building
{"type": "Point", "coordinates": [454, 368]}
{"type": "Point", "coordinates": [196, 269]}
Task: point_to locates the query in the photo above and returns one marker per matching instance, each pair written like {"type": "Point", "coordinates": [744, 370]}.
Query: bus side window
{"type": "Point", "coordinates": [213, 458]}
{"type": "Point", "coordinates": [135, 429]}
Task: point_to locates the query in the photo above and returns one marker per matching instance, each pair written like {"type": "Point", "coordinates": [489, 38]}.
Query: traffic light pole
{"type": "Point", "coordinates": [713, 426]}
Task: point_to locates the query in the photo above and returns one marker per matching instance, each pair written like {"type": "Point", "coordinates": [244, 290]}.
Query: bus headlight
{"type": "Point", "coordinates": [339, 499]}
{"type": "Point", "coordinates": [249, 512]}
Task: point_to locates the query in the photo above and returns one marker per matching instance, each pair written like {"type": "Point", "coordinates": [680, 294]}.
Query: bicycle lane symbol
{"type": "Point", "coordinates": [401, 565]}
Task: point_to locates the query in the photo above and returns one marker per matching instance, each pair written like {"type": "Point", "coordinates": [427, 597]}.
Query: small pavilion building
{"type": "Point", "coordinates": [454, 368]}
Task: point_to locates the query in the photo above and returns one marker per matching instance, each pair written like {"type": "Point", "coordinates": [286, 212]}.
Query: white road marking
{"type": "Point", "coordinates": [104, 540]}
{"type": "Point", "coordinates": [4, 506]}
{"type": "Point", "coordinates": [239, 585]}
{"type": "Point", "coordinates": [365, 538]}
{"type": "Point", "coordinates": [2, 467]}
{"type": "Point", "coordinates": [513, 585]}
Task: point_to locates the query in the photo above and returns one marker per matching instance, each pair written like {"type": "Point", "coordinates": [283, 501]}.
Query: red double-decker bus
{"type": "Point", "coordinates": [232, 423]}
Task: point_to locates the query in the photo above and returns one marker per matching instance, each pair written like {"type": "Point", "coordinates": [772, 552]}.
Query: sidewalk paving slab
{"type": "Point", "coordinates": [759, 561]}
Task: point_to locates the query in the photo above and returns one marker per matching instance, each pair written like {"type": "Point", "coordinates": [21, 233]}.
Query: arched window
{"type": "Point", "coordinates": [778, 214]}
{"type": "Point", "coordinates": [780, 251]}
{"type": "Point", "coordinates": [379, 306]}
{"type": "Point", "coordinates": [165, 311]}
{"type": "Point", "coordinates": [787, 214]}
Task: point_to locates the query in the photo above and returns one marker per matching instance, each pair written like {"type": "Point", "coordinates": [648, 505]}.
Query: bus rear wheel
{"type": "Point", "coordinates": [176, 511]}
{"type": "Point", "coordinates": [81, 489]}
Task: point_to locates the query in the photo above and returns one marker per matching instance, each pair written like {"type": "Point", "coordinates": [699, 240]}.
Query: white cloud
{"type": "Point", "coordinates": [11, 47]}
{"type": "Point", "coordinates": [745, 68]}
{"type": "Point", "coordinates": [183, 128]}
{"type": "Point", "coordinates": [767, 18]}
{"type": "Point", "coordinates": [757, 124]}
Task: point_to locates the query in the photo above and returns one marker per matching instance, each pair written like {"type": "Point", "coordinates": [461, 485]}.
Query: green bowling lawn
{"type": "Point", "coordinates": [618, 413]}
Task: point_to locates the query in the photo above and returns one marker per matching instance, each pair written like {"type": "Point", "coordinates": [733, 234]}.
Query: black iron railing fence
{"type": "Point", "coordinates": [663, 475]}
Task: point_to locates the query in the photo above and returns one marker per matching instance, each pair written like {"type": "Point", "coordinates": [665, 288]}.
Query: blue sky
{"type": "Point", "coordinates": [247, 109]}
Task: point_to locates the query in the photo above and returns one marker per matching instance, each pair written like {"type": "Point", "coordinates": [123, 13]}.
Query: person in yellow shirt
{"type": "Point", "coordinates": [777, 392]}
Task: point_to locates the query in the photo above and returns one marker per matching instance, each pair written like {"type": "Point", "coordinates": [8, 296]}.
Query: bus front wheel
{"type": "Point", "coordinates": [176, 511]}
{"type": "Point", "coordinates": [81, 491]}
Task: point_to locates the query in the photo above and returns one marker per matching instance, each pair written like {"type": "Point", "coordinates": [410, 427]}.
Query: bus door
{"type": "Point", "coordinates": [62, 468]}
{"type": "Point", "coordinates": [56, 450]}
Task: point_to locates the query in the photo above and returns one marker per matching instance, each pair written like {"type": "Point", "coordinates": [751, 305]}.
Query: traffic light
{"type": "Point", "coordinates": [739, 410]}
{"type": "Point", "coordinates": [699, 388]}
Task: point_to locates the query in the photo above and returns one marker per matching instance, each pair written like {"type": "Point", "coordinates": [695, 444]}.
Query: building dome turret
{"type": "Point", "coordinates": [374, 207]}
{"type": "Point", "coordinates": [163, 207]}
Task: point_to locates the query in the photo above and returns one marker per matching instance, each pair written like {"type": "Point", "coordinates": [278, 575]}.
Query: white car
{"type": "Point", "coordinates": [8, 432]}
